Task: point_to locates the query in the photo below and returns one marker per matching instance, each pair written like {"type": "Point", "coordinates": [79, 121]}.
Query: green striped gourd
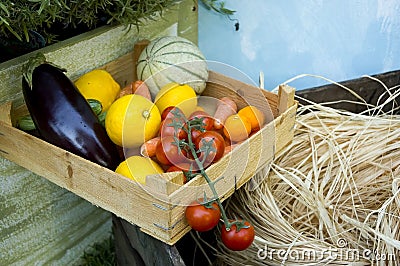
{"type": "Point", "coordinates": [172, 59]}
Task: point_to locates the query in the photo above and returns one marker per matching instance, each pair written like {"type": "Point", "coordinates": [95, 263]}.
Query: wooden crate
{"type": "Point", "coordinates": [157, 207]}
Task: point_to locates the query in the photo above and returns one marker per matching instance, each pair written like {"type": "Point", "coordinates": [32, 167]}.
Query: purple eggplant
{"type": "Point", "coordinates": [62, 116]}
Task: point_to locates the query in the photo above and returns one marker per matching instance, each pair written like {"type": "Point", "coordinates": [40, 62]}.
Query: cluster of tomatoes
{"type": "Point", "coordinates": [191, 145]}
{"type": "Point", "coordinates": [182, 140]}
{"type": "Point", "coordinates": [203, 215]}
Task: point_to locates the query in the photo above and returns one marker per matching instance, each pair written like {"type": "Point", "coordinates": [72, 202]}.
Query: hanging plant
{"type": "Point", "coordinates": [219, 7]}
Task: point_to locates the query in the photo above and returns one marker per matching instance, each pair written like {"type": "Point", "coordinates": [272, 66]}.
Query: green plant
{"type": "Point", "coordinates": [100, 254]}
{"type": "Point", "coordinates": [219, 7]}
{"type": "Point", "coordinates": [17, 18]}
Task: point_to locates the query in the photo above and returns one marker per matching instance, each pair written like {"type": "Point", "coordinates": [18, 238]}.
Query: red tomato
{"type": "Point", "coordinates": [202, 218]}
{"type": "Point", "coordinates": [167, 129]}
{"type": "Point", "coordinates": [171, 111]}
{"type": "Point", "coordinates": [208, 120]}
{"type": "Point", "coordinates": [195, 134]}
{"type": "Point", "coordinates": [218, 144]}
{"type": "Point", "coordinates": [182, 167]}
{"type": "Point", "coordinates": [238, 240]}
{"type": "Point", "coordinates": [168, 153]}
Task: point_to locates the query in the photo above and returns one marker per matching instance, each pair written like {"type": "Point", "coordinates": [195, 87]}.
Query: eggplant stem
{"type": "Point", "coordinates": [34, 62]}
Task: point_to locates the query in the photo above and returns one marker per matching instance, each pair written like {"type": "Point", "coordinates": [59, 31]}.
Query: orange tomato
{"type": "Point", "coordinates": [237, 128]}
{"type": "Point", "coordinates": [254, 115]}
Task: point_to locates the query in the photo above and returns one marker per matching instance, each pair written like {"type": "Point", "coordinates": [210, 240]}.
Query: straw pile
{"type": "Point", "coordinates": [331, 197]}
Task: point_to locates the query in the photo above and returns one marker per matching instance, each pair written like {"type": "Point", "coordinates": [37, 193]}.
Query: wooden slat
{"type": "Point", "coordinates": [98, 185]}
{"type": "Point", "coordinates": [5, 115]}
{"type": "Point", "coordinates": [137, 50]}
{"type": "Point", "coordinates": [285, 98]}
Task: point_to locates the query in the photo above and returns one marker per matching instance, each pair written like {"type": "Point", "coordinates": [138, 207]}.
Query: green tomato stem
{"type": "Point", "coordinates": [207, 178]}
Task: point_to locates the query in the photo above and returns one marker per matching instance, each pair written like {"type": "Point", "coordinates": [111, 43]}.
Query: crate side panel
{"type": "Point", "coordinates": [96, 184]}
{"type": "Point", "coordinates": [243, 94]}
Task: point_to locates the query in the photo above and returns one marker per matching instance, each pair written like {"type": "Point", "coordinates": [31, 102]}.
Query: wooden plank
{"type": "Point", "coordinates": [5, 115]}
{"type": "Point", "coordinates": [188, 19]}
{"type": "Point", "coordinates": [137, 50]}
{"type": "Point", "coordinates": [285, 98]}
{"type": "Point", "coordinates": [96, 184]}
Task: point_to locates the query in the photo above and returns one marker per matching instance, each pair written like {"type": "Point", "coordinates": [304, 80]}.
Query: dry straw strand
{"type": "Point", "coordinates": [335, 188]}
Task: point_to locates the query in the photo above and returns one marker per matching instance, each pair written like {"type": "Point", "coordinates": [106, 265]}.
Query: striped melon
{"type": "Point", "coordinates": [172, 59]}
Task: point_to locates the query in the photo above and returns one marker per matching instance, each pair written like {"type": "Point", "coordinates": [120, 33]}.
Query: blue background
{"type": "Point", "coordinates": [338, 40]}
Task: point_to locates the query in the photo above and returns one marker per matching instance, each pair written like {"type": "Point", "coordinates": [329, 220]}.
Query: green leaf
{"type": "Point", "coordinates": [5, 9]}
{"type": "Point", "coordinates": [217, 6]}
{"type": "Point", "coordinates": [13, 32]}
{"type": "Point", "coordinates": [43, 5]}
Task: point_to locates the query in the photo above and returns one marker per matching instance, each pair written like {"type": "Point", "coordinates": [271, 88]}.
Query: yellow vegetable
{"type": "Point", "coordinates": [98, 85]}
{"type": "Point", "coordinates": [137, 168]}
{"type": "Point", "coordinates": [179, 95]}
{"type": "Point", "coordinates": [131, 120]}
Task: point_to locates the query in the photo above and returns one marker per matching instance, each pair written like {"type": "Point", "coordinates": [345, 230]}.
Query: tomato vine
{"type": "Point", "coordinates": [188, 146]}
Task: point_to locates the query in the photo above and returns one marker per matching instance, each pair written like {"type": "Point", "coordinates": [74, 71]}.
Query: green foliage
{"type": "Point", "coordinates": [18, 17]}
{"type": "Point", "coordinates": [100, 254]}
{"type": "Point", "coordinates": [217, 6]}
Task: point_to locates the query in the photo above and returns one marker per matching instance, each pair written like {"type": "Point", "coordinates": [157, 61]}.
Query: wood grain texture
{"type": "Point", "coordinates": [285, 98]}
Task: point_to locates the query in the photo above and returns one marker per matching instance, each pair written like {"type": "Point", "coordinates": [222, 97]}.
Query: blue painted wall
{"type": "Point", "coordinates": [337, 39]}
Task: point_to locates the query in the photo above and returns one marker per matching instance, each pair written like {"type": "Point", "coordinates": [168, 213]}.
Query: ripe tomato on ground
{"type": "Point", "coordinates": [217, 142]}
{"type": "Point", "coordinates": [168, 153]}
{"type": "Point", "coordinates": [202, 218]}
{"type": "Point", "coordinates": [238, 240]}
